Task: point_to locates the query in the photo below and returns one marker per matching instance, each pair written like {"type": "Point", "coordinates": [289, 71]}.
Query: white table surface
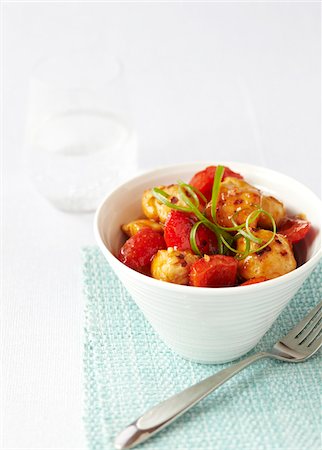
{"type": "Point", "coordinates": [231, 81]}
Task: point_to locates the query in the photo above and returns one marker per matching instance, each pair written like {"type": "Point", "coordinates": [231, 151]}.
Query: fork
{"type": "Point", "coordinates": [298, 345]}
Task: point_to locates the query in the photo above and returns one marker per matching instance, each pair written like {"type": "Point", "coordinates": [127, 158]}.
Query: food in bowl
{"type": "Point", "coordinates": [215, 231]}
{"type": "Point", "coordinates": [208, 325]}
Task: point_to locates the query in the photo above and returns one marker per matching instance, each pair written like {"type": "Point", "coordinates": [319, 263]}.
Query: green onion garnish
{"type": "Point", "coordinates": [162, 196]}
{"type": "Point", "coordinates": [273, 232]}
{"type": "Point", "coordinates": [201, 217]}
{"type": "Point", "coordinates": [228, 245]}
{"type": "Point", "coordinates": [215, 190]}
{"type": "Point", "coordinates": [252, 216]}
{"type": "Point", "coordinates": [190, 196]}
{"type": "Point", "coordinates": [247, 237]}
{"type": "Point", "coordinates": [199, 193]}
{"type": "Point", "coordinates": [250, 236]}
{"type": "Point", "coordinates": [236, 227]}
{"type": "Point", "coordinates": [193, 241]}
{"type": "Point", "coordinates": [186, 187]}
{"type": "Point", "coordinates": [238, 256]}
{"type": "Point", "coordinates": [246, 252]}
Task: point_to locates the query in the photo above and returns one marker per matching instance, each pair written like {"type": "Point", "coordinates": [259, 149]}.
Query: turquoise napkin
{"type": "Point", "coordinates": [270, 405]}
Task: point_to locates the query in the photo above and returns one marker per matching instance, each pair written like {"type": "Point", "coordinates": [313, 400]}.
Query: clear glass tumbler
{"type": "Point", "coordinates": [80, 138]}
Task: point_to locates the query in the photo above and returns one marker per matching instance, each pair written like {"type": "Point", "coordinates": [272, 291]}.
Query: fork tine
{"type": "Point", "coordinates": [308, 329]}
{"type": "Point", "coordinates": [315, 345]}
{"type": "Point", "coordinates": [311, 338]}
{"type": "Point", "coordinates": [301, 325]}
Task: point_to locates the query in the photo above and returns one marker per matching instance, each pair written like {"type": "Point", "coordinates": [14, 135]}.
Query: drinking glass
{"type": "Point", "coordinates": [80, 138]}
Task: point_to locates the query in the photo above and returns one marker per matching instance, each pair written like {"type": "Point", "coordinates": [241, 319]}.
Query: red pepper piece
{"type": "Point", "coordinates": [294, 229]}
{"type": "Point", "coordinates": [214, 271]}
{"type": "Point", "coordinates": [204, 179]}
{"type": "Point", "coordinates": [138, 250]}
{"type": "Point", "coordinates": [177, 233]}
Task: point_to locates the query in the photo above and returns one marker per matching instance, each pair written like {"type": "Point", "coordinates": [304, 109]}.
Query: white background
{"type": "Point", "coordinates": [231, 81]}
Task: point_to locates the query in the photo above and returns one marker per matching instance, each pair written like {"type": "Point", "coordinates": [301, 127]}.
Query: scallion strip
{"type": "Point", "coordinates": [246, 252]}
{"type": "Point", "coordinates": [273, 233]}
{"type": "Point", "coordinates": [249, 219]}
{"type": "Point", "coordinates": [212, 226]}
{"type": "Point", "coordinates": [236, 226]}
{"type": "Point", "coordinates": [244, 255]}
{"type": "Point", "coordinates": [248, 234]}
{"type": "Point", "coordinates": [162, 196]}
{"type": "Point", "coordinates": [191, 192]}
{"type": "Point", "coordinates": [239, 255]}
{"type": "Point", "coordinates": [202, 218]}
{"type": "Point", "coordinates": [215, 190]}
{"type": "Point", "coordinates": [193, 241]}
{"type": "Point", "coordinates": [199, 193]}
{"type": "Point", "coordinates": [251, 237]}
{"type": "Point", "coordinates": [228, 245]}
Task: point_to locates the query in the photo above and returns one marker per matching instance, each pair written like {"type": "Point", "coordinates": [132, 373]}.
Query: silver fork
{"type": "Point", "coordinates": [297, 346]}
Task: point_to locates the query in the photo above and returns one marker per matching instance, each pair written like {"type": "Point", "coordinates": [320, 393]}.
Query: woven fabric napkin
{"type": "Point", "coordinates": [270, 405]}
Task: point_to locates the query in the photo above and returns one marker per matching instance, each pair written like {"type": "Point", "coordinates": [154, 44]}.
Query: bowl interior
{"type": "Point", "coordinates": [124, 204]}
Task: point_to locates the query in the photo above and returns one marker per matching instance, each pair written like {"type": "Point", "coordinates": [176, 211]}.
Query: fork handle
{"type": "Point", "coordinates": [161, 415]}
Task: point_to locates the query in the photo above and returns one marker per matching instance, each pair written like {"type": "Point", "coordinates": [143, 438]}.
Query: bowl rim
{"type": "Point", "coordinates": [205, 291]}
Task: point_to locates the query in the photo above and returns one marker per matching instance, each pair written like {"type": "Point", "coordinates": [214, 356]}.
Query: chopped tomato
{"type": "Point", "coordinates": [138, 250]}
{"type": "Point", "coordinates": [177, 233]}
{"type": "Point", "coordinates": [254, 281]}
{"type": "Point", "coordinates": [294, 229]}
{"type": "Point", "coordinates": [204, 179]}
{"type": "Point", "coordinates": [214, 271]}
{"type": "Point", "coordinates": [230, 173]}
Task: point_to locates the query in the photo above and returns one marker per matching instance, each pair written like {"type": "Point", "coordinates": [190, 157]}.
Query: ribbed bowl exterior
{"type": "Point", "coordinates": [210, 329]}
{"type": "Point", "coordinates": [203, 324]}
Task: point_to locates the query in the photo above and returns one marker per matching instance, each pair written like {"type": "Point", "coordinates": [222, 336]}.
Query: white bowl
{"type": "Point", "coordinates": [208, 325]}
